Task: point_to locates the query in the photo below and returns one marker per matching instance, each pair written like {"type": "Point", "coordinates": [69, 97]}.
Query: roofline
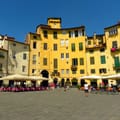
{"type": "Point", "coordinates": [57, 18]}
{"type": "Point", "coordinates": [4, 49]}
{"type": "Point", "coordinates": [118, 24]}
{"type": "Point", "coordinates": [49, 28]}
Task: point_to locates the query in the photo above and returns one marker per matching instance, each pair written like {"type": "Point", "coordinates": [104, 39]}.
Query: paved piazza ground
{"type": "Point", "coordinates": [58, 105]}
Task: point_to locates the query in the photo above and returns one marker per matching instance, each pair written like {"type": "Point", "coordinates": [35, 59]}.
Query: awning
{"type": "Point", "coordinates": [91, 77]}
{"type": "Point", "coordinates": [23, 77]}
{"type": "Point", "coordinates": [115, 76]}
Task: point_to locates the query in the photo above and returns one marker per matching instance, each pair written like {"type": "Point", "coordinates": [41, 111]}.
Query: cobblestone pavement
{"type": "Point", "coordinates": [58, 105]}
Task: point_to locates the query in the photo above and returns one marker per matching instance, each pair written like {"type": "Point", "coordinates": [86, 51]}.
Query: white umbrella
{"type": "Point", "coordinates": [91, 77]}
{"type": "Point", "coordinates": [14, 77]}
{"type": "Point", "coordinates": [115, 76]}
{"type": "Point", "coordinates": [23, 77]}
{"type": "Point", "coordinates": [37, 78]}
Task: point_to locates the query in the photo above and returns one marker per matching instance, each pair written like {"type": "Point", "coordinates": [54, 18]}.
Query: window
{"type": "Point", "coordinates": [71, 34]}
{"type": "Point", "coordinates": [76, 33]}
{"type": "Point", "coordinates": [62, 42]}
{"type": "Point", "coordinates": [45, 46]}
{"type": "Point", "coordinates": [33, 71]}
{"type": "Point", "coordinates": [74, 61]}
{"type": "Point", "coordinates": [2, 55]}
{"type": "Point", "coordinates": [114, 44]}
{"type": "Point", "coordinates": [82, 71]}
{"type": "Point", "coordinates": [24, 56]}
{"type": "Point", "coordinates": [34, 59]}
{"type": "Point", "coordinates": [80, 33]}
{"type": "Point", "coordinates": [81, 61]}
{"type": "Point", "coordinates": [67, 71]}
{"type": "Point", "coordinates": [62, 71]}
{"type": "Point", "coordinates": [44, 61]}
{"type": "Point", "coordinates": [102, 70]}
{"type": "Point", "coordinates": [62, 55]}
{"type": "Point", "coordinates": [55, 47]}
{"type": "Point", "coordinates": [45, 34]}
{"type": "Point", "coordinates": [67, 42]}
{"type": "Point", "coordinates": [34, 45]}
{"type": "Point", "coordinates": [63, 32]}
{"type": "Point", "coordinates": [93, 71]}
{"type": "Point", "coordinates": [55, 62]}
{"type": "Point", "coordinates": [102, 58]}
{"type": "Point", "coordinates": [38, 54]}
{"type": "Point", "coordinates": [23, 68]}
{"type": "Point", "coordinates": [55, 35]}
{"type": "Point", "coordinates": [80, 46]}
{"type": "Point", "coordinates": [34, 37]}
{"type": "Point", "coordinates": [73, 46]}
{"type": "Point", "coordinates": [67, 55]}
{"type": "Point", "coordinates": [113, 31]}
{"type": "Point", "coordinates": [116, 61]}
{"type": "Point", "coordinates": [73, 72]}
{"type": "Point", "coordinates": [92, 61]}
{"type": "Point", "coordinates": [89, 42]}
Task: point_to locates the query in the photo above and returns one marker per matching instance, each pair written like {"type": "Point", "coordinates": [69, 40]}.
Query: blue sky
{"type": "Point", "coordinates": [18, 17]}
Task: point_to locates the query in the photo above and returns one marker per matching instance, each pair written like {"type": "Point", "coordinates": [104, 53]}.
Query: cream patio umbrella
{"type": "Point", "coordinates": [91, 77]}
{"type": "Point", "coordinates": [14, 77]}
{"type": "Point", "coordinates": [37, 78]}
{"type": "Point", "coordinates": [23, 77]}
{"type": "Point", "coordinates": [115, 76]}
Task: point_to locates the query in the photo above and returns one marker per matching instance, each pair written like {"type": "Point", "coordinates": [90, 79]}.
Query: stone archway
{"type": "Point", "coordinates": [44, 83]}
{"type": "Point", "coordinates": [74, 82]}
{"type": "Point", "coordinates": [45, 73]}
{"type": "Point", "coordinates": [62, 82]}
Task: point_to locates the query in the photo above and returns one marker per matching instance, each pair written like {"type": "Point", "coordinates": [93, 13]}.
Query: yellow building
{"type": "Point", "coordinates": [97, 62]}
{"type": "Point", "coordinates": [112, 36]}
{"type": "Point", "coordinates": [67, 54]}
{"type": "Point", "coordinates": [58, 53]}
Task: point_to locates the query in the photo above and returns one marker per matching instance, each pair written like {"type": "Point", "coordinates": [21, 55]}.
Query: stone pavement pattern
{"type": "Point", "coordinates": [58, 105]}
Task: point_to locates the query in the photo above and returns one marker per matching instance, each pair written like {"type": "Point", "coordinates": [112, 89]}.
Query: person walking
{"type": "Point", "coordinates": [86, 89]}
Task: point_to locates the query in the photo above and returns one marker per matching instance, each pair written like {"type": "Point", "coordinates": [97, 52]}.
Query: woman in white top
{"type": "Point", "coordinates": [86, 88]}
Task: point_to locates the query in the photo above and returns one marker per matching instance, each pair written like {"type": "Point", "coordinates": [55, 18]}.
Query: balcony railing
{"type": "Point", "coordinates": [55, 74]}
{"type": "Point", "coordinates": [96, 46]}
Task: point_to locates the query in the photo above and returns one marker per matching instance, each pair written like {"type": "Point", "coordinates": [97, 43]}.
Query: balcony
{"type": "Point", "coordinates": [74, 67]}
{"type": "Point", "coordinates": [101, 45]}
{"type": "Point", "coordinates": [55, 74]}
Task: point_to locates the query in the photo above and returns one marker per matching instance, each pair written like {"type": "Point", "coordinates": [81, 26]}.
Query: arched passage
{"type": "Point", "coordinates": [82, 82]}
{"type": "Point", "coordinates": [44, 83]}
{"type": "Point", "coordinates": [45, 73]}
{"type": "Point", "coordinates": [74, 82]}
{"type": "Point", "coordinates": [62, 82]}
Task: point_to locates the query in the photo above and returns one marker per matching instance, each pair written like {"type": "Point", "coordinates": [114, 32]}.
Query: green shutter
{"type": "Point", "coordinates": [73, 47]}
{"type": "Point", "coordinates": [80, 46]}
{"type": "Point", "coordinates": [116, 61]}
{"type": "Point", "coordinates": [103, 61]}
